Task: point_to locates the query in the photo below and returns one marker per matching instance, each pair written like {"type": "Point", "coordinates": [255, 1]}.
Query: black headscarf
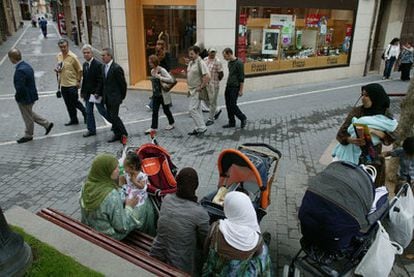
{"type": "Point", "coordinates": [379, 98]}
{"type": "Point", "coordinates": [187, 183]}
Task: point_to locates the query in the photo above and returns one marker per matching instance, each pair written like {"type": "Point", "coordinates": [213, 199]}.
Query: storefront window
{"type": "Point", "coordinates": [274, 39]}
{"type": "Point", "coordinates": [176, 25]}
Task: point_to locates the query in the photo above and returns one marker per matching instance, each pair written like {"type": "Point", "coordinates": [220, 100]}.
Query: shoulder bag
{"type": "Point", "coordinates": [167, 86]}
{"type": "Point", "coordinates": [206, 91]}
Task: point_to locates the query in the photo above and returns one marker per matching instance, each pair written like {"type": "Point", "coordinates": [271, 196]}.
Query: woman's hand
{"type": "Point", "coordinates": [132, 202]}
{"type": "Point", "coordinates": [356, 141]}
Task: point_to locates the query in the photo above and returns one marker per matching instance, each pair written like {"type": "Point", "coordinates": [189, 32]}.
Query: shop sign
{"type": "Point", "coordinates": [270, 42]}
{"type": "Point", "coordinates": [258, 67]}
{"type": "Point", "coordinates": [312, 20]}
{"type": "Point", "coordinates": [281, 19]}
{"type": "Point", "coordinates": [298, 63]}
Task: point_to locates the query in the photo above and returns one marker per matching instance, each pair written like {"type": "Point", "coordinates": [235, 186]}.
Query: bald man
{"type": "Point", "coordinates": [26, 95]}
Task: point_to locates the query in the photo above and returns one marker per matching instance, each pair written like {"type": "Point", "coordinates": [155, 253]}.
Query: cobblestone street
{"type": "Point", "coordinates": [300, 121]}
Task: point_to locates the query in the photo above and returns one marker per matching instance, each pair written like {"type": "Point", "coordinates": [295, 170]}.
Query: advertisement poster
{"type": "Point", "coordinates": [281, 19]}
{"type": "Point", "coordinates": [242, 38]}
{"type": "Point", "coordinates": [270, 43]}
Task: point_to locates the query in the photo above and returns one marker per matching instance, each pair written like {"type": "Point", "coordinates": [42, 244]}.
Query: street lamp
{"type": "Point", "coordinates": [15, 254]}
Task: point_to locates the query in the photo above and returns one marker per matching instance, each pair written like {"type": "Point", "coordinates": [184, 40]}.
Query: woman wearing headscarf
{"type": "Point", "coordinates": [235, 245]}
{"type": "Point", "coordinates": [374, 112]}
{"type": "Point", "coordinates": [101, 205]}
{"type": "Point", "coordinates": [182, 226]}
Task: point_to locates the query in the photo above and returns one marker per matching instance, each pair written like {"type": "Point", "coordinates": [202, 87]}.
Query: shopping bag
{"type": "Point", "coordinates": [401, 219]}
{"type": "Point", "coordinates": [379, 259]}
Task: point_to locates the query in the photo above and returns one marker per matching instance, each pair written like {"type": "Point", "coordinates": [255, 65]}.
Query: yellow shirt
{"type": "Point", "coordinates": [71, 69]}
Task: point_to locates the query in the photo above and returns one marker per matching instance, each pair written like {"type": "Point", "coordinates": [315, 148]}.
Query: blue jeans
{"type": "Point", "coordinates": [90, 118]}
{"type": "Point", "coordinates": [388, 67]}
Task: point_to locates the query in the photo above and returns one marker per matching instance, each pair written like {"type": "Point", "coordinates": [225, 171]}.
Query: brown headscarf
{"type": "Point", "coordinates": [187, 183]}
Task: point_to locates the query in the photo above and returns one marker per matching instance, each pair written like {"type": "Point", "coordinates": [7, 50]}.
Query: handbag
{"type": "Point", "coordinates": [401, 219]}
{"type": "Point", "coordinates": [205, 92]}
{"type": "Point", "coordinates": [167, 86]}
{"type": "Point", "coordinates": [379, 259]}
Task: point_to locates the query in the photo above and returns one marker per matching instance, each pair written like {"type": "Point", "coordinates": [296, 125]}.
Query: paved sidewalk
{"type": "Point", "coordinates": [300, 121]}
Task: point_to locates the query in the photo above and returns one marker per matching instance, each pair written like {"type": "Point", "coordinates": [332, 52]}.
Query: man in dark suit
{"type": "Point", "coordinates": [114, 92]}
{"type": "Point", "coordinates": [91, 90]}
{"type": "Point", "coordinates": [26, 95]}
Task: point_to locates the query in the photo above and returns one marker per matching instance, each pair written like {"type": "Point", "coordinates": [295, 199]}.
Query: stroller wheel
{"type": "Point", "coordinates": [288, 273]}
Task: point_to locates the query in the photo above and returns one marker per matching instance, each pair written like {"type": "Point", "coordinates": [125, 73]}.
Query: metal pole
{"type": "Point", "coordinates": [15, 254]}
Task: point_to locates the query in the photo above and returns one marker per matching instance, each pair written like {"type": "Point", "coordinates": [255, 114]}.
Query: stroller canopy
{"type": "Point", "coordinates": [242, 165]}
{"type": "Point", "coordinates": [347, 186]}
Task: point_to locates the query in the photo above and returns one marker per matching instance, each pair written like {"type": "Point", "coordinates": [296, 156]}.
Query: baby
{"type": "Point", "coordinates": [406, 155]}
{"type": "Point", "coordinates": [134, 182]}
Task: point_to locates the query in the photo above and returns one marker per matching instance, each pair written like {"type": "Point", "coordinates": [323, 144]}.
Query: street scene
{"type": "Point", "coordinates": [301, 120]}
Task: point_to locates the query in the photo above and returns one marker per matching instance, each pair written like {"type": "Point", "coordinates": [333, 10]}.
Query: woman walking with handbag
{"type": "Point", "coordinates": [159, 95]}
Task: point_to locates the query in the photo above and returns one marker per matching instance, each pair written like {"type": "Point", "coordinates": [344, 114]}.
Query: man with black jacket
{"type": "Point", "coordinates": [91, 90]}
{"type": "Point", "coordinates": [114, 92]}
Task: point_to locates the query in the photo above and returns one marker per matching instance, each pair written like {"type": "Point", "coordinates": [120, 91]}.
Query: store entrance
{"type": "Point", "coordinates": [176, 25]}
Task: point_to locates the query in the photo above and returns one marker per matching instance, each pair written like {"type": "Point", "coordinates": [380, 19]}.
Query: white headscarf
{"type": "Point", "coordinates": [240, 229]}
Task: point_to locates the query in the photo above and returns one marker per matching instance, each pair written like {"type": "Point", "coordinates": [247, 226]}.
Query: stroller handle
{"type": "Point", "coordinates": [271, 148]}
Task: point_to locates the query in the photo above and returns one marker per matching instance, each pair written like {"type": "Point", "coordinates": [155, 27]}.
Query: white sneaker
{"type": "Point", "coordinates": [169, 127]}
{"type": "Point", "coordinates": [148, 131]}
{"type": "Point", "coordinates": [148, 108]}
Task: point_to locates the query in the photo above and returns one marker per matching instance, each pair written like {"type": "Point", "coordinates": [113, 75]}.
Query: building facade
{"type": "Point", "coordinates": [10, 18]}
{"type": "Point", "coordinates": [280, 42]}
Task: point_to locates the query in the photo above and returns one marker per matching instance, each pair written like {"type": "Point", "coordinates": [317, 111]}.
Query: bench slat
{"type": "Point", "coordinates": [134, 253]}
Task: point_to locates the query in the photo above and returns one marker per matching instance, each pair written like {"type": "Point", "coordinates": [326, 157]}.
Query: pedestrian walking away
{"type": "Point", "coordinates": [159, 96]}
{"type": "Point", "coordinates": [390, 55]}
{"type": "Point", "coordinates": [114, 92]}
{"type": "Point", "coordinates": [198, 77]}
{"type": "Point", "coordinates": [216, 73]}
{"type": "Point", "coordinates": [43, 26]}
{"type": "Point", "coordinates": [26, 95]}
{"type": "Point", "coordinates": [91, 90]}
{"type": "Point", "coordinates": [406, 61]}
{"type": "Point", "coordinates": [70, 73]}
{"type": "Point", "coordinates": [234, 89]}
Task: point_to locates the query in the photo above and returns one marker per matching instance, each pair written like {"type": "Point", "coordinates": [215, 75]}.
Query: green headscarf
{"type": "Point", "coordinates": [99, 183]}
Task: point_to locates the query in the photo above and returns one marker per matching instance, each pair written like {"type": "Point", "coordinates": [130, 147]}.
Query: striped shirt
{"type": "Point", "coordinates": [214, 66]}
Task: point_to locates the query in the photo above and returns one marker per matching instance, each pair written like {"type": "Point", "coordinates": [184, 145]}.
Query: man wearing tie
{"type": "Point", "coordinates": [92, 85]}
{"type": "Point", "coordinates": [114, 92]}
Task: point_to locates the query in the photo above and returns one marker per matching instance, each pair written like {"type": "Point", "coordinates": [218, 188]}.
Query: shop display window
{"type": "Point", "coordinates": [176, 25]}
{"type": "Point", "coordinates": [275, 39]}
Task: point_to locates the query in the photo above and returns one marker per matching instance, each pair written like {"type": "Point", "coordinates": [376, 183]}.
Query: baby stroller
{"type": "Point", "coordinates": [157, 164]}
{"type": "Point", "coordinates": [338, 217]}
{"type": "Point", "coordinates": [247, 170]}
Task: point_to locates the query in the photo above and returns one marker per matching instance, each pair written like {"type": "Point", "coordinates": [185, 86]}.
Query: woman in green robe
{"type": "Point", "coordinates": [101, 205]}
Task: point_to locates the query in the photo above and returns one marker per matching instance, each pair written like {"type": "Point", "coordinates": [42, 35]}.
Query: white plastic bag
{"type": "Point", "coordinates": [379, 259]}
{"type": "Point", "coordinates": [402, 219]}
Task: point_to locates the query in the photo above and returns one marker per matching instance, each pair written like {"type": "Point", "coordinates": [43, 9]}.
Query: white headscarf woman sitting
{"type": "Point", "coordinates": [234, 245]}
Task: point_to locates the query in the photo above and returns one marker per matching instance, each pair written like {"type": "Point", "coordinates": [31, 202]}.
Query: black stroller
{"type": "Point", "coordinates": [338, 217]}
{"type": "Point", "coordinates": [247, 170]}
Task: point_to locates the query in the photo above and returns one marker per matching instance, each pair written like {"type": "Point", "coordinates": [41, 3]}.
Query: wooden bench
{"type": "Point", "coordinates": [134, 248]}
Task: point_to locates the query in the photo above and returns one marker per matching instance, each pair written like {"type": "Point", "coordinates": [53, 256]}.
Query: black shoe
{"type": "Point", "coordinates": [49, 128]}
{"type": "Point", "coordinates": [193, 133]}
{"type": "Point", "coordinates": [229, 126]}
{"type": "Point", "coordinates": [199, 134]}
{"type": "Point", "coordinates": [114, 138]}
{"type": "Point", "coordinates": [88, 134]}
{"type": "Point", "coordinates": [216, 116]}
{"type": "Point", "coordinates": [72, 123]}
{"type": "Point", "coordinates": [24, 139]}
{"type": "Point", "coordinates": [243, 123]}
{"type": "Point", "coordinates": [209, 122]}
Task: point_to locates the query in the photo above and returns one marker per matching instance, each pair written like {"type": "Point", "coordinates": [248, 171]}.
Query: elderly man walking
{"type": "Point", "coordinates": [216, 72]}
{"type": "Point", "coordinates": [70, 74]}
{"type": "Point", "coordinates": [26, 95]}
{"type": "Point", "coordinates": [198, 77]}
{"type": "Point", "coordinates": [91, 90]}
